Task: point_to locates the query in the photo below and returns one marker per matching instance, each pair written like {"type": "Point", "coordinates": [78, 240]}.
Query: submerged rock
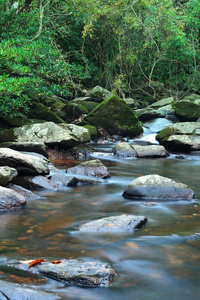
{"type": "Point", "coordinates": [114, 224]}
{"type": "Point", "coordinates": [7, 174]}
{"type": "Point", "coordinates": [24, 192]}
{"type": "Point", "coordinates": [157, 187]}
{"type": "Point", "coordinates": [15, 291]}
{"type": "Point", "coordinates": [75, 272]}
{"type": "Point", "coordinates": [23, 163]}
{"type": "Point", "coordinates": [10, 199]}
{"type": "Point", "coordinates": [90, 168]}
{"type": "Point", "coordinates": [35, 182]}
{"type": "Point", "coordinates": [116, 117]}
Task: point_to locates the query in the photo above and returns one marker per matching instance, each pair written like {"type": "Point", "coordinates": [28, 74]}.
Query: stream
{"type": "Point", "coordinates": [158, 261]}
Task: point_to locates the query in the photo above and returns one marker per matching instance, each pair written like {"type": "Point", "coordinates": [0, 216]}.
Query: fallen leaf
{"type": "Point", "coordinates": [56, 261]}
{"type": "Point", "coordinates": [35, 262]}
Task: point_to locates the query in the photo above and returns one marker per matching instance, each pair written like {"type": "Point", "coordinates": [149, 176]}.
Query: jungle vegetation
{"type": "Point", "coordinates": [55, 47]}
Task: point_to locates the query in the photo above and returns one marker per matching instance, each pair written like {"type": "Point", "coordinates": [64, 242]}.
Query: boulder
{"type": "Point", "coordinates": [180, 137]}
{"type": "Point", "coordinates": [90, 168]}
{"type": "Point", "coordinates": [49, 133]}
{"type": "Point", "coordinates": [15, 291]}
{"type": "Point", "coordinates": [7, 174]}
{"type": "Point", "coordinates": [192, 97]}
{"type": "Point", "coordinates": [150, 151]}
{"type": "Point", "coordinates": [35, 182]}
{"type": "Point", "coordinates": [187, 110]}
{"type": "Point", "coordinates": [92, 130]}
{"type": "Point", "coordinates": [157, 187]}
{"type": "Point", "coordinates": [22, 191]}
{"type": "Point", "coordinates": [10, 199]}
{"type": "Point", "coordinates": [116, 117]}
{"type": "Point", "coordinates": [99, 94]}
{"type": "Point", "coordinates": [124, 150]}
{"type": "Point", "coordinates": [146, 114]}
{"type": "Point", "coordinates": [73, 111]}
{"type": "Point", "coordinates": [26, 146]}
{"type": "Point", "coordinates": [62, 179]}
{"type": "Point", "coordinates": [164, 111]}
{"type": "Point", "coordinates": [115, 224]}
{"type": "Point", "coordinates": [23, 163]}
{"type": "Point", "coordinates": [162, 102]}
{"type": "Point", "coordinates": [74, 272]}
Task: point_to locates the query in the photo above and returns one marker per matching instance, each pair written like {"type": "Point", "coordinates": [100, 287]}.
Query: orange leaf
{"type": "Point", "coordinates": [56, 261]}
{"type": "Point", "coordinates": [35, 262]}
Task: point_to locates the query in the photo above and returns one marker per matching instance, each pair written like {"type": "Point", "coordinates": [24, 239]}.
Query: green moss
{"type": "Point", "coordinates": [47, 115]}
{"type": "Point", "coordinates": [116, 117]}
{"type": "Point", "coordinates": [73, 111]}
{"type": "Point", "coordinates": [187, 111]}
{"type": "Point", "coordinates": [92, 130]}
{"type": "Point", "coordinates": [164, 134]}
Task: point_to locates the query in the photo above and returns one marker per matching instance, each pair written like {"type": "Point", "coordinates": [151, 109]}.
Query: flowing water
{"type": "Point", "coordinates": [159, 261]}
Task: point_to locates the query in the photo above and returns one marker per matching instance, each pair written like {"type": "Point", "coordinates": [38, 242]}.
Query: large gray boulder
{"type": "Point", "coordinates": [27, 147]}
{"type": "Point", "coordinates": [49, 133]}
{"type": "Point", "coordinates": [162, 102]}
{"type": "Point", "coordinates": [15, 291]}
{"type": "Point", "coordinates": [187, 110]}
{"type": "Point", "coordinates": [99, 94]}
{"type": "Point", "coordinates": [180, 137]}
{"type": "Point", "coordinates": [24, 163]}
{"type": "Point", "coordinates": [63, 179]}
{"type": "Point", "coordinates": [90, 168]}
{"type": "Point", "coordinates": [74, 272]}
{"type": "Point", "coordinates": [114, 224]}
{"type": "Point", "coordinates": [124, 149]}
{"type": "Point", "coordinates": [157, 187]}
{"type": "Point", "coordinates": [10, 199]}
{"type": "Point", "coordinates": [7, 174]}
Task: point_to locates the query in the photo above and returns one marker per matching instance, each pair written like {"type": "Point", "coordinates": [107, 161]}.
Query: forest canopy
{"type": "Point", "coordinates": [51, 47]}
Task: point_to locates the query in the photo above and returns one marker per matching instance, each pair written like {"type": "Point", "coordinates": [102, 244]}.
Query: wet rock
{"type": "Point", "coordinates": [114, 224]}
{"type": "Point", "coordinates": [10, 199]}
{"type": "Point", "coordinates": [116, 117]}
{"type": "Point", "coordinates": [15, 291]}
{"type": "Point", "coordinates": [27, 147]}
{"type": "Point", "coordinates": [150, 151]}
{"type": "Point", "coordinates": [88, 180]}
{"type": "Point", "coordinates": [162, 102]}
{"type": "Point", "coordinates": [124, 150]}
{"type": "Point", "coordinates": [35, 182]}
{"type": "Point", "coordinates": [90, 168]}
{"type": "Point", "coordinates": [62, 179]}
{"type": "Point", "coordinates": [49, 133]}
{"type": "Point", "coordinates": [180, 137]}
{"type": "Point", "coordinates": [75, 272]}
{"type": "Point", "coordinates": [147, 114]}
{"type": "Point", "coordinates": [7, 174]}
{"type": "Point", "coordinates": [157, 187]}
{"type": "Point", "coordinates": [24, 192]}
{"type": "Point", "coordinates": [23, 163]}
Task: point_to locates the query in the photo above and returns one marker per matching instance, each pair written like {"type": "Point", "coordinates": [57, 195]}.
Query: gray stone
{"type": "Point", "coordinates": [99, 94]}
{"type": "Point", "coordinates": [23, 163]}
{"type": "Point", "coordinates": [74, 272]}
{"type": "Point", "coordinates": [181, 137]}
{"type": "Point", "coordinates": [81, 99]}
{"type": "Point", "coordinates": [124, 149]}
{"type": "Point", "coordinates": [24, 192]}
{"type": "Point", "coordinates": [62, 179]}
{"type": "Point", "coordinates": [115, 224]}
{"type": "Point", "coordinates": [150, 151]}
{"type": "Point", "coordinates": [49, 133]}
{"type": "Point", "coordinates": [27, 147]}
{"type": "Point", "coordinates": [10, 199]}
{"type": "Point", "coordinates": [7, 174]}
{"type": "Point", "coordinates": [15, 291]}
{"type": "Point", "coordinates": [90, 168]}
{"type": "Point", "coordinates": [157, 187]}
{"type": "Point", "coordinates": [165, 110]}
{"type": "Point", "coordinates": [162, 102]}
{"type": "Point", "coordinates": [32, 182]}
{"type": "Point", "coordinates": [147, 114]}
{"type": "Point", "coordinates": [88, 180]}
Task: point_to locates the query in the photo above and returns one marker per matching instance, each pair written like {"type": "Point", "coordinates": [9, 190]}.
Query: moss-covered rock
{"type": "Point", "coordinates": [47, 115]}
{"type": "Point", "coordinates": [88, 104]}
{"type": "Point", "coordinates": [73, 111]}
{"type": "Point", "coordinates": [187, 110]}
{"type": "Point", "coordinates": [92, 131]}
{"type": "Point", "coordinates": [99, 94]}
{"type": "Point", "coordinates": [7, 122]}
{"type": "Point", "coordinates": [116, 117]}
